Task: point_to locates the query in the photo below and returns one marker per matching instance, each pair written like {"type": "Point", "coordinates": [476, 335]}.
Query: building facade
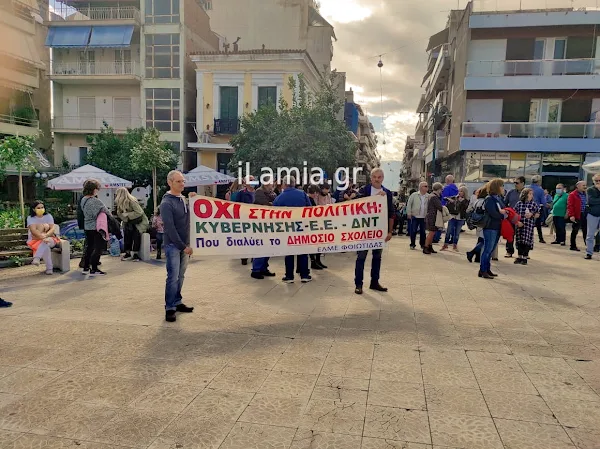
{"type": "Point", "coordinates": [230, 85]}
{"type": "Point", "coordinates": [123, 64]}
{"type": "Point", "coordinates": [522, 97]}
{"type": "Point", "coordinates": [364, 135]}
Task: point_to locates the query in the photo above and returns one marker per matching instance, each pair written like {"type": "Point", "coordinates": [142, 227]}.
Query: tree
{"type": "Point", "coordinates": [307, 130]}
{"type": "Point", "coordinates": [152, 155]}
{"type": "Point", "coordinates": [18, 151]}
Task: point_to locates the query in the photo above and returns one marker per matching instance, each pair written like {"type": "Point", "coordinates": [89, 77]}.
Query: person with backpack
{"type": "Point", "coordinates": [474, 211]}
{"type": "Point", "coordinates": [457, 206]}
{"type": "Point", "coordinates": [494, 212]}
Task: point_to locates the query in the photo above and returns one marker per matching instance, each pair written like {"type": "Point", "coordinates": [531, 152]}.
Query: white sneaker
{"type": "Point", "coordinates": [49, 272]}
{"type": "Point", "coordinates": [35, 261]}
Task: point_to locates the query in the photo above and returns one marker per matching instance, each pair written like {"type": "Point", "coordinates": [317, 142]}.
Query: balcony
{"type": "Point", "coordinates": [533, 74]}
{"type": "Point", "coordinates": [116, 14]}
{"type": "Point", "coordinates": [93, 124]}
{"type": "Point", "coordinates": [227, 126]}
{"type": "Point", "coordinates": [13, 126]}
{"type": "Point", "coordinates": [439, 76]}
{"type": "Point", "coordinates": [531, 136]}
{"type": "Point", "coordinates": [92, 71]}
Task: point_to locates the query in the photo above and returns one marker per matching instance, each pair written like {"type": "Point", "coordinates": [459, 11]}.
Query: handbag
{"type": "Point", "coordinates": [439, 220]}
{"type": "Point", "coordinates": [549, 220]}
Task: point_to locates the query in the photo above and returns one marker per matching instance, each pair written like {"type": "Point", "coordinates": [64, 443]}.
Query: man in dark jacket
{"type": "Point", "coordinates": [374, 188]}
{"type": "Point", "coordinates": [577, 213]}
{"type": "Point", "coordinates": [260, 265]}
{"type": "Point", "coordinates": [593, 216]}
{"type": "Point", "coordinates": [246, 195]}
{"type": "Point", "coordinates": [176, 218]}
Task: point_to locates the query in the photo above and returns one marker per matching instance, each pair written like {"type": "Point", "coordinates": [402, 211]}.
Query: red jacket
{"type": "Point", "coordinates": [574, 205]}
{"type": "Point", "coordinates": [508, 231]}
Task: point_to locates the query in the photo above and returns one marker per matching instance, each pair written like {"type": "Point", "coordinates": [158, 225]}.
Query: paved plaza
{"type": "Point", "coordinates": [444, 360]}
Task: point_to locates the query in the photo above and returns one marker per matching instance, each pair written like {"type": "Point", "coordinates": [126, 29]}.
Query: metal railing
{"type": "Point", "coordinates": [95, 68]}
{"type": "Point", "coordinates": [92, 122]}
{"type": "Point", "coordinates": [539, 67]}
{"type": "Point", "coordinates": [579, 130]}
{"type": "Point", "coordinates": [227, 126]}
{"type": "Point", "coordinates": [68, 13]}
{"type": "Point", "coordinates": [11, 119]}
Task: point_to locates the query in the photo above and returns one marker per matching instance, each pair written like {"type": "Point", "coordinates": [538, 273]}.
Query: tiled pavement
{"type": "Point", "coordinates": [444, 360]}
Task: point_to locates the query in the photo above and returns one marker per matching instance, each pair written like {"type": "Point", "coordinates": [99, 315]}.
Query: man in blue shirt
{"type": "Point", "coordinates": [539, 196]}
{"type": "Point", "coordinates": [450, 190]}
{"type": "Point", "coordinates": [293, 197]}
{"type": "Point", "coordinates": [372, 189]}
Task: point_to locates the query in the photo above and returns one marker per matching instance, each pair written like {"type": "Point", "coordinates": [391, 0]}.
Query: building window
{"type": "Point", "coordinates": [162, 56]}
{"type": "Point", "coordinates": [83, 151]}
{"type": "Point", "coordinates": [162, 109]}
{"type": "Point", "coordinates": [267, 96]}
{"type": "Point", "coordinates": [162, 11]}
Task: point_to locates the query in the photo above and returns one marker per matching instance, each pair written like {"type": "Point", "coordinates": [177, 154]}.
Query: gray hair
{"type": "Point", "coordinates": [536, 179]}
{"type": "Point", "coordinates": [377, 170]}
{"type": "Point", "coordinates": [581, 183]}
{"type": "Point", "coordinates": [449, 179]}
{"type": "Point", "coordinates": [423, 183]}
{"type": "Point", "coordinates": [596, 176]}
{"type": "Point", "coordinates": [172, 173]}
{"type": "Point", "coordinates": [289, 181]}
{"type": "Point", "coordinates": [437, 186]}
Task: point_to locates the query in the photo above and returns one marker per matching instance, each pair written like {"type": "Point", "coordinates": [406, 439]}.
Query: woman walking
{"type": "Point", "coordinates": [434, 205]}
{"type": "Point", "coordinates": [494, 209]}
{"type": "Point", "coordinates": [559, 213]}
{"type": "Point", "coordinates": [529, 211]}
{"type": "Point", "coordinates": [457, 205]}
{"type": "Point", "coordinates": [41, 238]}
{"type": "Point", "coordinates": [135, 222]}
{"type": "Point", "coordinates": [92, 207]}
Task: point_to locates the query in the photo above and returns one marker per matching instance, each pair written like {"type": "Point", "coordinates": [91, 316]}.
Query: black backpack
{"type": "Point", "coordinates": [478, 216]}
{"type": "Point", "coordinates": [452, 205]}
{"type": "Point", "coordinates": [80, 216]}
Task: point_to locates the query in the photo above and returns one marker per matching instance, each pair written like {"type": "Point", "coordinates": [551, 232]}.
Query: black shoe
{"type": "Point", "coordinates": [427, 250]}
{"type": "Point", "coordinates": [470, 256]}
{"type": "Point", "coordinates": [288, 280]}
{"type": "Point", "coordinates": [495, 259]}
{"type": "Point", "coordinates": [432, 250]}
{"type": "Point", "coordinates": [542, 241]}
{"type": "Point", "coordinates": [524, 261]}
{"type": "Point", "coordinates": [306, 279]}
{"type": "Point", "coordinates": [315, 266]}
{"type": "Point", "coordinates": [135, 258]}
{"type": "Point", "coordinates": [575, 249]}
{"type": "Point", "coordinates": [324, 267]}
{"type": "Point", "coordinates": [588, 257]}
{"type": "Point", "coordinates": [484, 275]}
{"type": "Point", "coordinates": [358, 290]}
{"type": "Point", "coordinates": [492, 274]}
{"type": "Point", "coordinates": [244, 261]}
{"type": "Point", "coordinates": [555, 243]}
{"type": "Point", "coordinates": [182, 308]}
{"type": "Point", "coordinates": [170, 316]}
{"type": "Point", "coordinates": [597, 249]}
{"type": "Point", "coordinates": [267, 274]}
{"type": "Point", "coordinates": [5, 304]}
{"type": "Point", "coordinates": [508, 256]}
{"type": "Point", "coordinates": [257, 275]}
{"type": "Point", "coordinates": [127, 256]}
{"type": "Point", "coordinates": [518, 261]}
{"type": "Point", "coordinates": [377, 287]}
{"type": "Point", "coordinates": [413, 247]}
{"type": "Point", "coordinates": [158, 257]}
{"type": "Point", "coordinates": [97, 273]}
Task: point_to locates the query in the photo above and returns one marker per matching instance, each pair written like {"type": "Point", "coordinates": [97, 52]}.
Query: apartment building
{"type": "Point", "coordinates": [413, 163]}
{"type": "Point", "coordinates": [123, 63]}
{"type": "Point", "coordinates": [364, 135]}
{"type": "Point", "coordinates": [520, 95]}
{"type": "Point", "coordinates": [273, 24]}
{"type": "Point", "coordinates": [230, 85]}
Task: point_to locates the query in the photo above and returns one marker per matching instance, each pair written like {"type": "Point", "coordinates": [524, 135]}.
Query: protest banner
{"type": "Point", "coordinates": [237, 230]}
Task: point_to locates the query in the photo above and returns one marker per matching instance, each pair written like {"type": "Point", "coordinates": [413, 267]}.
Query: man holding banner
{"type": "Point", "coordinates": [374, 188]}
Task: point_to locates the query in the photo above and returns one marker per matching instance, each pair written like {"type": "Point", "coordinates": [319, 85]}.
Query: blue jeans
{"type": "Point", "coordinates": [453, 231]}
{"type": "Point", "coordinates": [177, 262]}
{"type": "Point", "coordinates": [360, 266]}
{"type": "Point", "coordinates": [490, 240]}
{"type": "Point", "coordinates": [417, 224]}
{"type": "Point", "coordinates": [437, 236]}
{"type": "Point", "coordinates": [593, 224]}
{"type": "Point", "coordinates": [260, 264]}
{"type": "Point", "coordinates": [302, 266]}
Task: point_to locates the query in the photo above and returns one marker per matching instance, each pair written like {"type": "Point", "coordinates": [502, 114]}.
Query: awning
{"type": "Point", "coordinates": [111, 36]}
{"type": "Point", "coordinates": [438, 39]}
{"type": "Point", "coordinates": [68, 37]}
{"type": "Point", "coordinates": [20, 46]}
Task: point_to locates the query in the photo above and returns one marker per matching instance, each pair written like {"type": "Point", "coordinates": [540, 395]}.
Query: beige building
{"type": "Point", "coordinates": [123, 63]}
{"type": "Point", "coordinates": [361, 127]}
{"type": "Point", "coordinates": [273, 24]}
{"type": "Point", "coordinates": [230, 85]}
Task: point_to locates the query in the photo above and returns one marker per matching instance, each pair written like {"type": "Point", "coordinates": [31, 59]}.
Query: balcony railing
{"type": "Point", "coordinates": [68, 13]}
{"type": "Point", "coordinates": [580, 130]}
{"type": "Point", "coordinates": [12, 120]}
{"type": "Point", "coordinates": [227, 126]}
{"type": "Point", "coordinates": [93, 122]}
{"type": "Point", "coordinates": [114, 68]}
{"type": "Point", "coordinates": [539, 67]}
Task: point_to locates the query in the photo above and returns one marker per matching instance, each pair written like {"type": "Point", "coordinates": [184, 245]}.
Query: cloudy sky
{"type": "Point", "coordinates": [400, 28]}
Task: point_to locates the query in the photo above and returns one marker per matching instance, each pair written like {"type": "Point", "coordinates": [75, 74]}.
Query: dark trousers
{"type": "Point", "coordinates": [359, 270]}
{"type": "Point", "coordinates": [315, 258]}
{"type": "Point", "coordinates": [510, 246]}
{"type": "Point", "coordinates": [417, 224]}
{"type": "Point", "coordinates": [132, 239]}
{"type": "Point", "coordinates": [95, 244]}
{"type": "Point", "coordinates": [401, 220]}
{"type": "Point", "coordinates": [523, 250]}
{"type": "Point", "coordinates": [302, 266]}
{"type": "Point", "coordinates": [159, 242]}
{"type": "Point", "coordinates": [538, 225]}
{"type": "Point", "coordinates": [560, 226]}
{"type": "Point", "coordinates": [478, 248]}
{"type": "Point", "coordinates": [581, 224]}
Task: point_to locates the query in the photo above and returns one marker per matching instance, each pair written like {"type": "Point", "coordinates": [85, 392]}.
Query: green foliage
{"type": "Point", "coordinates": [25, 113]}
{"type": "Point", "coordinates": [113, 153]}
{"type": "Point", "coordinates": [307, 131]}
{"type": "Point", "coordinates": [17, 151]}
{"type": "Point", "coordinates": [77, 245]}
{"type": "Point", "coordinates": [16, 261]}
{"type": "Point", "coordinates": [11, 219]}
{"type": "Point", "coordinates": [150, 153]}
{"type": "Point", "coordinates": [60, 211]}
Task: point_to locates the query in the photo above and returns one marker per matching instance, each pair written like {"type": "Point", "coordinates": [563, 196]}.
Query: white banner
{"type": "Point", "coordinates": [237, 230]}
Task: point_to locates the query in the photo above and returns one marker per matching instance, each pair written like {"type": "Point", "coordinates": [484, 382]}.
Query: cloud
{"type": "Point", "coordinates": [400, 31]}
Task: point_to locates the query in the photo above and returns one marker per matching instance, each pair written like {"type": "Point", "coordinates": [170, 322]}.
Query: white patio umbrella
{"type": "Point", "coordinates": [594, 167]}
{"type": "Point", "coordinates": [75, 179]}
{"type": "Point", "coordinates": [205, 176]}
